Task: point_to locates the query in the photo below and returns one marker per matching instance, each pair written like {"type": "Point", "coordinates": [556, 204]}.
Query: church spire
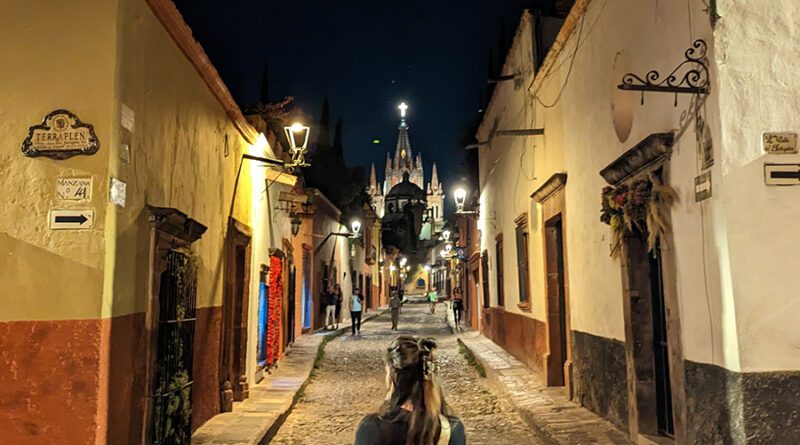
{"type": "Point", "coordinates": [373, 182]}
{"type": "Point", "coordinates": [402, 155]}
{"type": "Point", "coordinates": [435, 185]}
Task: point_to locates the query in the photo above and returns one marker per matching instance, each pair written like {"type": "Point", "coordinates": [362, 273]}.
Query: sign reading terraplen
{"type": "Point", "coordinates": [71, 219]}
{"type": "Point", "coordinates": [74, 189]}
{"type": "Point", "coordinates": [780, 143]}
{"type": "Point", "coordinates": [61, 135]}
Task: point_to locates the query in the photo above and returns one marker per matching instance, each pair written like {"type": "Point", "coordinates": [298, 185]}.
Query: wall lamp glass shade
{"type": "Point", "coordinates": [446, 234]}
{"type": "Point", "coordinates": [355, 228]}
{"type": "Point", "coordinates": [296, 222]}
{"type": "Point", "coordinates": [460, 196]}
{"type": "Point", "coordinates": [297, 135]}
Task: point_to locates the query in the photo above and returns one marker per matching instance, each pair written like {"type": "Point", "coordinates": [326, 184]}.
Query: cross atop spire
{"type": "Point", "coordinates": [403, 107]}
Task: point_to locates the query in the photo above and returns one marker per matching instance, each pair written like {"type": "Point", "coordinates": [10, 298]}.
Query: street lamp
{"type": "Point", "coordinates": [297, 135]}
{"type": "Point", "coordinates": [296, 221]}
{"type": "Point", "coordinates": [446, 234]}
{"type": "Point", "coordinates": [403, 261]}
{"type": "Point", "coordinates": [355, 227]}
{"type": "Point", "coordinates": [460, 196]}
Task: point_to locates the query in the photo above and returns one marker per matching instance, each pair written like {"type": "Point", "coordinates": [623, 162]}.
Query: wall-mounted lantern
{"type": "Point", "coordinates": [297, 136]}
{"type": "Point", "coordinates": [355, 228]}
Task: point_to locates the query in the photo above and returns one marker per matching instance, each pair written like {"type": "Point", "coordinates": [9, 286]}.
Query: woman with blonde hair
{"type": "Point", "coordinates": [415, 411]}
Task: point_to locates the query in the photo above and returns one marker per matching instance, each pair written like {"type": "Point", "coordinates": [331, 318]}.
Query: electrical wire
{"type": "Point", "coordinates": [578, 46]}
{"type": "Point", "coordinates": [569, 70]}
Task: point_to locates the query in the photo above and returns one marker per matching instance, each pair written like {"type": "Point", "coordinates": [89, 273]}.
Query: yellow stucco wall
{"type": "Point", "coordinates": [54, 55]}
{"type": "Point", "coordinates": [91, 59]}
{"type": "Point", "coordinates": [178, 159]}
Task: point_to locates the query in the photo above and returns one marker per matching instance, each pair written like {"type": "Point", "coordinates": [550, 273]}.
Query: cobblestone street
{"type": "Point", "coordinates": [350, 383]}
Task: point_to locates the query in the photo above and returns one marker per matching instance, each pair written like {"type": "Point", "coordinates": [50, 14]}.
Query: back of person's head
{"type": "Point", "coordinates": [412, 378]}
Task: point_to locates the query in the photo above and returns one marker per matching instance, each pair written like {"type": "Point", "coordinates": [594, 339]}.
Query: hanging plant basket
{"type": "Point", "coordinates": [642, 204]}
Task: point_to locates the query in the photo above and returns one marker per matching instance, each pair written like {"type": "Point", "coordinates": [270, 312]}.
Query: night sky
{"type": "Point", "coordinates": [366, 57]}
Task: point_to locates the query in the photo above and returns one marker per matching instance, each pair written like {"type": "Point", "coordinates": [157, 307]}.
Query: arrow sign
{"type": "Point", "coordinates": [782, 174]}
{"type": "Point", "coordinates": [71, 219]}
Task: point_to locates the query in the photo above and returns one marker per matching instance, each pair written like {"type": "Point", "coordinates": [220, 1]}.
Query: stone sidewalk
{"type": "Point", "coordinates": [545, 409]}
{"type": "Point", "coordinates": [255, 420]}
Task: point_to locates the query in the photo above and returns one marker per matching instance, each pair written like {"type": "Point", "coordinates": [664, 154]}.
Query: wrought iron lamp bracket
{"type": "Point", "coordinates": [689, 77]}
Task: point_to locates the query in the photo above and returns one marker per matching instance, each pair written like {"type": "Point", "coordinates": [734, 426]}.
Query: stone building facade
{"type": "Point", "coordinates": [677, 320]}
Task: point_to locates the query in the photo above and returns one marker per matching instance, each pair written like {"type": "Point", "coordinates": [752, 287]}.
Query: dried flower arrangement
{"type": "Point", "coordinates": [643, 204]}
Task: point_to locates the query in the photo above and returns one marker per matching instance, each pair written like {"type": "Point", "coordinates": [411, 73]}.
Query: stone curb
{"type": "Point", "coordinates": [548, 430]}
{"type": "Point", "coordinates": [493, 377]}
{"type": "Point", "coordinates": [263, 425]}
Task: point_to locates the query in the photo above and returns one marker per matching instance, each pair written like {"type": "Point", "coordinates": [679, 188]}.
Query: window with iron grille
{"type": "Point", "coordinates": [522, 258]}
{"type": "Point", "coordinates": [501, 298]}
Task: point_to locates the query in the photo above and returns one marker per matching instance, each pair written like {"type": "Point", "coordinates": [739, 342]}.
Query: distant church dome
{"type": "Point", "coordinates": [406, 189]}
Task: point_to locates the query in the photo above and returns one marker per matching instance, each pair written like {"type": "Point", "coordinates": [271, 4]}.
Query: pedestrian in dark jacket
{"type": "Point", "coordinates": [330, 306]}
{"type": "Point", "coordinates": [458, 306]}
{"type": "Point", "coordinates": [338, 299]}
{"type": "Point", "coordinates": [395, 302]}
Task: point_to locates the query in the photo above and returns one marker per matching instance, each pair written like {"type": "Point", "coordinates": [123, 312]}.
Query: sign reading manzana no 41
{"type": "Point", "coordinates": [61, 135]}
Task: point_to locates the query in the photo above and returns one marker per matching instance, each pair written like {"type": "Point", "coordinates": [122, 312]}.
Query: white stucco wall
{"type": "Point", "coordinates": [736, 268]}
{"type": "Point", "coordinates": [757, 49]}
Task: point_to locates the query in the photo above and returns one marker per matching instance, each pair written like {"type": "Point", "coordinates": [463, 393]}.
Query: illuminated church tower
{"type": "Point", "coordinates": [405, 162]}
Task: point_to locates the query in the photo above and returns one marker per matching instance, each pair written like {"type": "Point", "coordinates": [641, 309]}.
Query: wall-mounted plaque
{"type": "Point", "coordinates": [780, 143]}
{"type": "Point", "coordinates": [61, 135]}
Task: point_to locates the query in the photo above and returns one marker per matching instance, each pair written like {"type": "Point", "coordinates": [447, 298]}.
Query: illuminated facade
{"type": "Point", "coordinates": [402, 163]}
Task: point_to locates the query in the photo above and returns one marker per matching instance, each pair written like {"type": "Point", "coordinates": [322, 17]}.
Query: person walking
{"type": "Point", "coordinates": [356, 302]}
{"type": "Point", "coordinates": [433, 297]}
{"type": "Point", "coordinates": [330, 308]}
{"type": "Point", "coordinates": [395, 302]}
{"type": "Point", "coordinates": [338, 299]}
{"type": "Point", "coordinates": [415, 410]}
{"type": "Point", "coordinates": [458, 306]}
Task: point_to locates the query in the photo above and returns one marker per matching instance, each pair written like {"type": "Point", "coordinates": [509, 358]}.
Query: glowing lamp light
{"type": "Point", "coordinates": [460, 196]}
{"type": "Point", "coordinates": [427, 268]}
{"type": "Point", "coordinates": [392, 268]}
{"type": "Point", "coordinates": [376, 141]}
{"type": "Point", "coordinates": [355, 227]}
{"type": "Point", "coordinates": [403, 261]}
{"type": "Point", "coordinates": [448, 247]}
{"type": "Point", "coordinates": [297, 135]}
{"type": "Point", "coordinates": [446, 234]}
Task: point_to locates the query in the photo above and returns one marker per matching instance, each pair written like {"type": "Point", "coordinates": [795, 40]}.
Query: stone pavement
{"type": "Point", "coordinates": [350, 382]}
{"type": "Point", "coordinates": [255, 420]}
{"type": "Point", "coordinates": [545, 409]}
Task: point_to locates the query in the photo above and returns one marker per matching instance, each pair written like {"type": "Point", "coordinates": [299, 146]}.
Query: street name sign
{"type": "Point", "coordinates": [782, 174]}
{"type": "Point", "coordinates": [74, 189]}
{"type": "Point", "coordinates": [71, 219]}
{"type": "Point", "coordinates": [780, 143]}
{"type": "Point", "coordinates": [61, 135]}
